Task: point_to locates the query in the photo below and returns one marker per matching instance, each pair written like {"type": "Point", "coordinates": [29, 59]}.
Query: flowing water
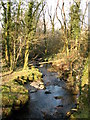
{"type": "Point", "coordinates": [48, 104]}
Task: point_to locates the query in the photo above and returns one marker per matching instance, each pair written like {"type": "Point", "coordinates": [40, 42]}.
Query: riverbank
{"type": "Point", "coordinates": [14, 97]}
{"type": "Point", "coordinates": [13, 94]}
{"type": "Point", "coordinates": [74, 71]}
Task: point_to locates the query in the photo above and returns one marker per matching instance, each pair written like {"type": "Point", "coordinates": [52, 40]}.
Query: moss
{"type": "Point", "coordinates": [32, 74]}
{"type": "Point", "coordinates": [23, 98]}
{"type": "Point", "coordinates": [14, 94]}
{"type": "Point", "coordinates": [6, 111]}
{"type": "Point", "coordinates": [35, 77]}
{"type": "Point", "coordinates": [5, 89]}
{"type": "Point", "coordinates": [85, 75]}
{"type": "Point", "coordinates": [83, 107]}
{"type": "Point", "coordinates": [30, 77]}
{"type": "Point", "coordinates": [13, 98]}
{"type": "Point", "coordinates": [0, 99]}
{"type": "Point", "coordinates": [17, 102]}
{"type": "Point", "coordinates": [82, 114]}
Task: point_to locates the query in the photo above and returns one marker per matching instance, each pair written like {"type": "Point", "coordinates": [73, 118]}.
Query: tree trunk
{"type": "Point", "coordinates": [26, 56]}
{"type": "Point", "coordinates": [45, 33]}
{"type": "Point", "coordinates": [8, 32]}
{"type": "Point", "coordinates": [76, 44]}
{"type": "Point", "coordinates": [11, 61]}
{"type": "Point", "coordinates": [5, 30]}
{"type": "Point", "coordinates": [6, 49]}
{"type": "Point", "coordinates": [53, 28]}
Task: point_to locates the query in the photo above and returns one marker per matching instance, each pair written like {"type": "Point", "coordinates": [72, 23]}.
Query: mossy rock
{"type": "Point", "coordinates": [16, 107]}
{"type": "Point", "coordinates": [10, 98]}
{"type": "Point", "coordinates": [6, 111]}
{"type": "Point", "coordinates": [5, 89]}
{"type": "Point", "coordinates": [30, 77]}
{"type": "Point", "coordinates": [23, 99]}
{"type": "Point", "coordinates": [17, 102]}
{"type": "Point", "coordinates": [7, 100]}
{"type": "Point", "coordinates": [32, 74]}
{"type": "Point", "coordinates": [22, 77]}
{"type": "Point", "coordinates": [25, 77]}
{"type": "Point", "coordinates": [21, 81]}
{"type": "Point", "coordinates": [24, 82]}
{"type": "Point", "coordinates": [35, 78]}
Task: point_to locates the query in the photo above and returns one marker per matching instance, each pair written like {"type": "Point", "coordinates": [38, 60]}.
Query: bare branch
{"type": "Point", "coordinates": [57, 15]}
{"type": "Point", "coordinates": [64, 15]}
{"type": "Point", "coordinates": [84, 14]}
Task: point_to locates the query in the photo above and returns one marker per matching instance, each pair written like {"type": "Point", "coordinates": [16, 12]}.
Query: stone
{"type": "Point", "coordinates": [41, 86]}
{"type": "Point", "coordinates": [58, 97]}
{"type": "Point", "coordinates": [37, 84]}
{"type": "Point", "coordinates": [34, 84]}
{"type": "Point", "coordinates": [59, 106]}
{"type": "Point", "coordinates": [33, 91]}
{"type": "Point", "coordinates": [47, 92]}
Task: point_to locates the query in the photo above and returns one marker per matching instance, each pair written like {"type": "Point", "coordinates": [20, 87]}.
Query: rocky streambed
{"type": "Point", "coordinates": [49, 99]}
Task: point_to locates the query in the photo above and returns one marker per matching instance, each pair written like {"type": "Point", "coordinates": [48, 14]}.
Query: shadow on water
{"type": "Point", "coordinates": [48, 104]}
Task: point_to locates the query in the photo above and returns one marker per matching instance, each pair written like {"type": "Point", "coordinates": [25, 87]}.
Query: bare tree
{"type": "Point", "coordinates": [63, 24]}
{"type": "Point", "coordinates": [83, 16]}
{"type": "Point", "coordinates": [52, 19]}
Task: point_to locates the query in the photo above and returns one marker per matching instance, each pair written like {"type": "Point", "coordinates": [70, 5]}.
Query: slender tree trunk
{"type": "Point", "coordinates": [14, 63]}
{"type": "Point", "coordinates": [6, 48]}
{"type": "Point", "coordinates": [76, 44]}
{"type": "Point", "coordinates": [5, 30]}
{"type": "Point", "coordinates": [8, 33]}
{"type": "Point", "coordinates": [89, 58]}
{"type": "Point", "coordinates": [11, 61]}
{"type": "Point", "coordinates": [67, 50]}
{"type": "Point", "coordinates": [53, 28]}
{"type": "Point", "coordinates": [45, 33]}
{"type": "Point", "coordinates": [26, 56]}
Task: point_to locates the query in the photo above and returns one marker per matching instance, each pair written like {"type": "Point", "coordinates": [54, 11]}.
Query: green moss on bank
{"type": "Point", "coordinates": [30, 75]}
{"type": "Point", "coordinates": [83, 107]}
{"type": "Point", "coordinates": [14, 96]}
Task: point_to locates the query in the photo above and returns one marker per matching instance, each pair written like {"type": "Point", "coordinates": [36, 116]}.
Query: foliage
{"type": "Point", "coordinates": [85, 74]}
{"type": "Point", "coordinates": [83, 107]}
{"type": "Point", "coordinates": [75, 21]}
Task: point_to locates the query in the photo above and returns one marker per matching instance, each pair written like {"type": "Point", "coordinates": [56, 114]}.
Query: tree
{"type": "Point", "coordinates": [17, 30]}
{"type": "Point", "coordinates": [30, 28]}
{"type": "Point", "coordinates": [75, 22]}
{"type": "Point", "coordinates": [83, 16]}
{"type": "Point", "coordinates": [52, 19]}
{"type": "Point", "coordinates": [64, 27]}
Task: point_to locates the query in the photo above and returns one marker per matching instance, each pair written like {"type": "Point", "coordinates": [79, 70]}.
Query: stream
{"type": "Point", "coordinates": [50, 103]}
